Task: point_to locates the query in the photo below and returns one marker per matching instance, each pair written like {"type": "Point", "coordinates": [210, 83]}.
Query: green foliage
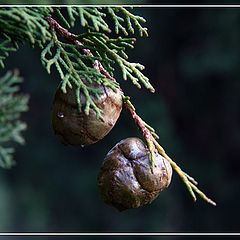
{"type": "Point", "coordinates": [25, 24]}
{"type": "Point", "coordinates": [113, 51]}
{"type": "Point", "coordinates": [90, 17]}
{"type": "Point", "coordinates": [82, 60]}
{"type": "Point", "coordinates": [126, 18]}
{"type": "Point", "coordinates": [75, 66]}
{"type": "Point", "coordinates": [65, 50]}
{"type": "Point", "coordinates": [73, 70]}
{"type": "Point", "coordinates": [94, 18]}
{"type": "Point", "coordinates": [11, 107]}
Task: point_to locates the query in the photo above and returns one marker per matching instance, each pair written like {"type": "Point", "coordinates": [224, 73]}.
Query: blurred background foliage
{"type": "Point", "coordinates": [192, 57]}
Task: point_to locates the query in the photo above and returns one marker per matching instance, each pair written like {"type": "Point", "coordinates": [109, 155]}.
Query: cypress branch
{"type": "Point", "coordinates": [70, 56]}
{"type": "Point", "coordinates": [150, 137]}
{"type": "Point", "coordinates": [94, 19]}
{"type": "Point", "coordinates": [122, 16]}
{"type": "Point", "coordinates": [78, 59]}
{"type": "Point", "coordinates": [82, 61]}
{"type": "Point", "coordinates": [26, 24]}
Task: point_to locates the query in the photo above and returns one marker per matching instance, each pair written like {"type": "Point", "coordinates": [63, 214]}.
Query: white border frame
{"type": "Point", "coordinates": [118, 234]}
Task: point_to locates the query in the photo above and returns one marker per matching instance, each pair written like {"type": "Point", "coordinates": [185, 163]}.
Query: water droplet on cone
{"type": "Point", "coordinates": [60, 115]}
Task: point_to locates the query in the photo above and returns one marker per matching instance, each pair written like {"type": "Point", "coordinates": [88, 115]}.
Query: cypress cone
{"type": "Point", "coordinates": [126, 179]}
{"type": "Point", "coordinates": [76, 128]}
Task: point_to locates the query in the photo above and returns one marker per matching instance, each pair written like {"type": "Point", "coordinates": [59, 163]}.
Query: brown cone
{"type": "Point", "coordinates": [126, 180]}
{"type": "Point", "coordinates": [76, 128]}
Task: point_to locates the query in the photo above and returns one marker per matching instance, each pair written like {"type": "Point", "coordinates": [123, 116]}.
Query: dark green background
{"type": "Point", "coordinates": [192, 57]}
